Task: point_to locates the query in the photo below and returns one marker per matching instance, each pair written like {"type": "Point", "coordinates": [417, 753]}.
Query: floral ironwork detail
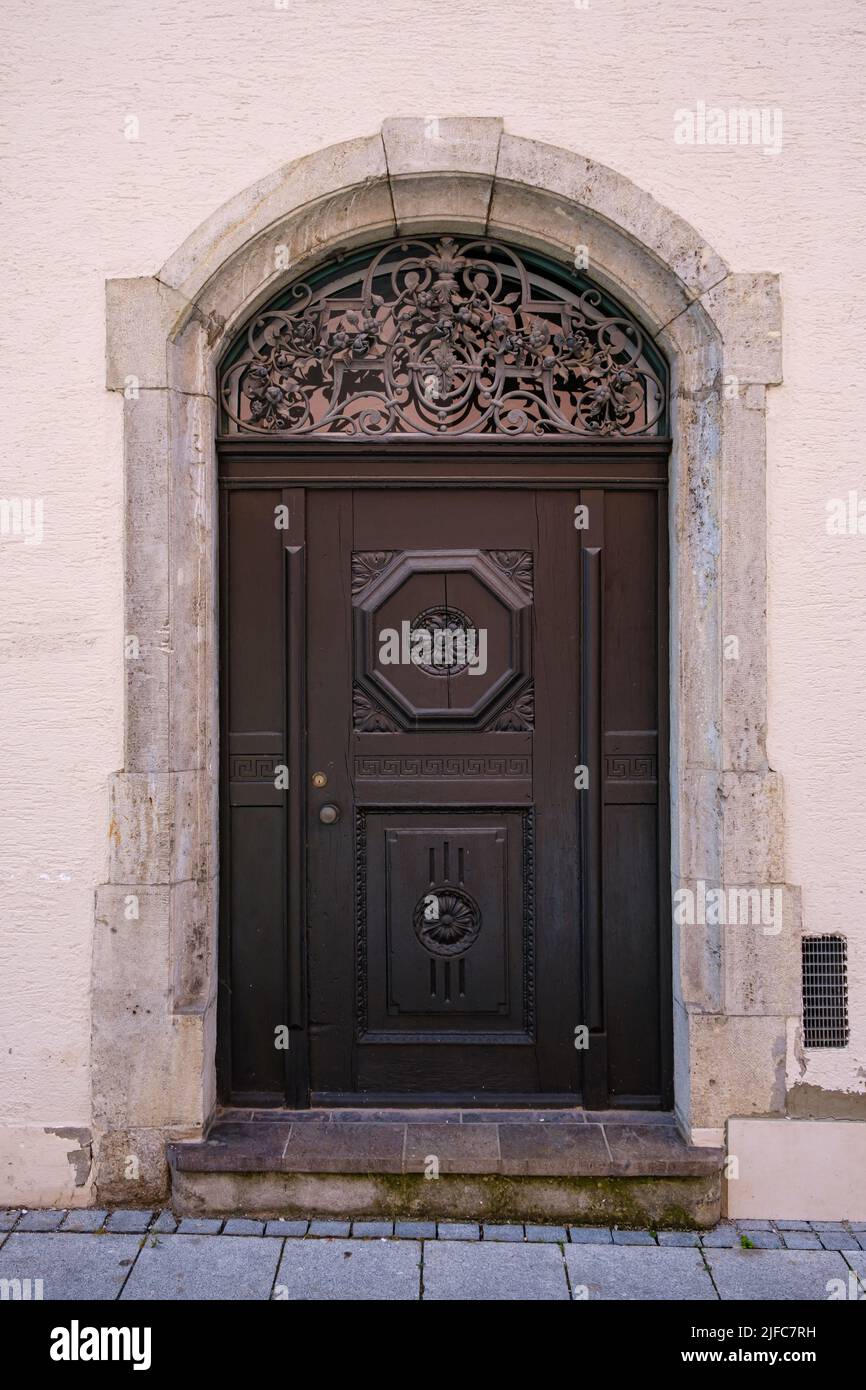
{"type": "Point", "coordinates": [455, 336]}
{"type": "Point", "coordinates": [446, 920]}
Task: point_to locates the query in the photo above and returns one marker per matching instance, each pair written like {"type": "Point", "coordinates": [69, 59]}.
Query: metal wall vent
{"type": "Point", "coordinates": [825, 991]}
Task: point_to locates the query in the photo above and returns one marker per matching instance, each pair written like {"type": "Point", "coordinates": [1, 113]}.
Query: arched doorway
{"type": "Point", "coordinates": [154, 1000]}
{"type": "Point", "coordinates": [445, 822]}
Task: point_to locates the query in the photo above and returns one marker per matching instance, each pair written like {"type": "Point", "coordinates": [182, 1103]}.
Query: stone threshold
{"type": "Point", "coordinates": [516, 1143]}
{"type": "Point", "coordinates": [500, 1166]}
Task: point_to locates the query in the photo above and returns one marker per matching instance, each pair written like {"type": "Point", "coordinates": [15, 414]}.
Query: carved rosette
{"type": "Point", "coordinates": [366, 565]}
{"type": "Point", "coordinates": [518, 716]}
{"type": "Point", "coordinates": [452, 336]}
{"type": "Point", "coordinates": [446, 920]}
{"type": "Point", "coordinates": [517, 564]}
{"type": "Point", "coordinates": [444, 620]}
{"type": "Point", "coordinates": [369, 717]}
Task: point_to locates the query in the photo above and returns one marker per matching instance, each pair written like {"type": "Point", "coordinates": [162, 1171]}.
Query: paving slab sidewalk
{"type": "Point", "coordinates": [143, 1255]}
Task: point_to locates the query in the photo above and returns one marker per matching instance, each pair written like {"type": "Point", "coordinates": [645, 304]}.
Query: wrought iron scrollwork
{"type": "Point", "coordinates": [452, 336]}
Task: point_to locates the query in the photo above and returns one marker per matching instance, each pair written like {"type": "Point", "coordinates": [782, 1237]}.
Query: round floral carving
{"type": "Point", "coordinates": [453, 641]}
{"type": "Point", "coordinates": [447, 921]}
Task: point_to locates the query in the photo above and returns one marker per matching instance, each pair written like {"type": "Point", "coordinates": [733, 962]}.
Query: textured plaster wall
{"type": "Point", "coordinates": [223, 93]}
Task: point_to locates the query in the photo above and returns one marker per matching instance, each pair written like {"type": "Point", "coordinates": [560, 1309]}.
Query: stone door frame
{"type": "Point", "coordinates": [154, 973]}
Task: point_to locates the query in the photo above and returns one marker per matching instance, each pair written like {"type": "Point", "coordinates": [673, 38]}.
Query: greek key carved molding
{"type": "Point", "coordinates": [254, 767]}
{"type": "Point", "coordinates": [421, 766]}
{"type": "Point", "coordinates": [630, 767]}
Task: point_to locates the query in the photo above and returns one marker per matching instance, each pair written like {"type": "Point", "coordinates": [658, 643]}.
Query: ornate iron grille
{"type": "Point", "coordinates": [444, 336]}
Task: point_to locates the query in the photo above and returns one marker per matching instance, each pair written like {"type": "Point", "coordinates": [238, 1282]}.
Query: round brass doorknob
{"type": "Point", "coordinates": [329, 813]}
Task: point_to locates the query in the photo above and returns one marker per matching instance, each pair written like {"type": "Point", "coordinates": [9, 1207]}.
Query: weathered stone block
{"type": "Point", "coordinates": [747, 310]}
{"type": "Point", "coordinates": [441, 144]}
{"type": "Point", "coordinates": [673, 241]}
{"type": "Point", "coordinates": [762, 961]}
{"type": "Point", "coordinates": [141, 315]}
{"type": "Point", "coordinates": [753, 845]}
{"type": "Point", "coordinates": [737, 1067]}
{"type": "Point", "coordinates": [273, 199]}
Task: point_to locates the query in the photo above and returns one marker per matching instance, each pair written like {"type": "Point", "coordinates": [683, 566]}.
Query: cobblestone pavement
{"type": "Point", "coordinates": [88, 1254]}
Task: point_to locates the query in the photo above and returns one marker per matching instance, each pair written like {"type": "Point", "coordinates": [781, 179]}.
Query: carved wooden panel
{"type": "Point", "coordinates": [445, 924]}
{"type": "Point", "coordinates": [442, 639]}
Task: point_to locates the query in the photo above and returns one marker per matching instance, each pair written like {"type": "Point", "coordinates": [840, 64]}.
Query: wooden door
{"type": "Point", "coordinates": [455, 789]}
{"type": "Point", "coordinates": [441, 907]}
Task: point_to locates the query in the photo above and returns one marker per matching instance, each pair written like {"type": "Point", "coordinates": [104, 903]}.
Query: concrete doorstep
{"type": "Point", "coordinates": [148, 1255]}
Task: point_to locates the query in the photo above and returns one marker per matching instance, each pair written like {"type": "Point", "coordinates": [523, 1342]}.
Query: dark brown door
{"type": "Point", "coordinates": [438, 906]}
{"type": "Point", "coordinates": [444, 938]}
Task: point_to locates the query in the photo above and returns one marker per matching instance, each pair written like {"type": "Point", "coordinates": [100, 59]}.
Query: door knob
{"type": "Point", "coordinates": [329, 813]}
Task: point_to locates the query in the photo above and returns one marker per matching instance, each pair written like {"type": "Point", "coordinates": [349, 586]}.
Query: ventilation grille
{"type": "Point", "coordinates": [825, 991]}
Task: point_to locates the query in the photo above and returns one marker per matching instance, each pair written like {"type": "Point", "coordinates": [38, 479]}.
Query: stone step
{"type": "Point", "coordinates": [503, 1165]}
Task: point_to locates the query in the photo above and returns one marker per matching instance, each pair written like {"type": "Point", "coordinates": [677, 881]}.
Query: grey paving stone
{"type": "Point", "coordinates": [801, 1240]}
{"type": "Point", "coordinates": [328, 1270]}
{"type": "Point", "coordinates": [165, 1224]}
{"type": "Point", "coordinates": [71, 1267]}
{"type": "Point", "coordinates": [329, 1228]}
{"type": "Point", "coordinates": [128, 1222]}
{"type": "Point", "coordinates": [751, 1225]}
{"type": "Point", "coordinates": [415, 1230]}
{"type": "Point", "coordinates": [84, 1220]}
{"type": "Point", "coordinates": [679, 1238]}
{"type": "Point", "coordinates": [828, 1226]}
{"type": "Point", "coordinates": [549, 1235]}
{"type": "Point", "coordinates": [857, 1225]}
{"type": "Point", "coordinates": [723, 1236]}
{"type": "Point", "coordinates": [493, 1271]}
{"type": "Point", "coordinates": [199, 1226]}
{"type": "Point", "coordinates": [589, 1235]}
{"type": "Point", "coordinates": [199, 1267]}
{"type": "Point", "coordinates": [8, 1217]}
{"type": "Point", "coordinates": [286, 1228]}
{"type": "Point", "coordinates": [839, 1240]}
{"type": "Point", "coordinates": [632, 1238]}
{"type": "Point", "coordinates": [243, 1226]}
{"type": "Point", "coordinates": [372, 1230]}
{"type": "Point", "coordinates": [775, 1274]}
{"type": "Point", "coordinates": [502, 1232]}
{"type": "Point", "coordinates": [858, 1266]}
{"type": "Point", "coordinates": [764, 1240]}
{"type": "Point", "coordinates": [459, 1230]}
{"type": "Point", "coordinates": [615, 1273]}
{"type": "Point", "coordinates": [792, 1225]}
{"type": "Point", "coordinates": [40, 1220]}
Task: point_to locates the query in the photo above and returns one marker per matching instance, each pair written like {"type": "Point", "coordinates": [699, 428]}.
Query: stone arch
{"type": "Point", "coordinates": [154, 975]}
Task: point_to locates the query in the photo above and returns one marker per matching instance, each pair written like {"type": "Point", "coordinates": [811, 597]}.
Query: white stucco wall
{"type": "Point", "coordinates": [225, 92]}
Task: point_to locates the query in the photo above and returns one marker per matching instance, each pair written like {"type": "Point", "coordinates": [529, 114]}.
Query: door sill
{"type": "Point", "coordinates": [496, 1164]}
